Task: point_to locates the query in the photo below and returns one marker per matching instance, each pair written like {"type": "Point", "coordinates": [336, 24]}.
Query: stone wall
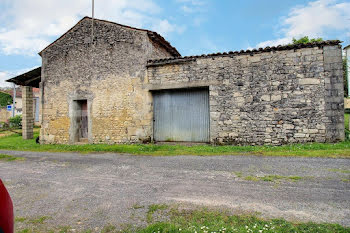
{"type": "Point", "coordinates": [4, 114]}
{"type": "Point", "coordinates": [334, 96]}
{"type": "Point", "coordinates": [293, 95]}
{"type": "Point", "coordinates": [27, 112]}
{"type": "Point", "coordinates": [109, 73]}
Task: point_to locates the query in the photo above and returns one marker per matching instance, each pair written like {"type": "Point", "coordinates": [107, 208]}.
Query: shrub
{"type": "Point", "coordinates": [305, 40]}
{"type": "Point", "coordinates": [4, 125]}
{"type": "Point", "coordinates": [16, 121]}
{"type": "Point", "coordinates": [5, 99]}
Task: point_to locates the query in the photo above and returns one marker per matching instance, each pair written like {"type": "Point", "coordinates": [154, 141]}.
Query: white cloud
{"type": "Point", "coordinates": [30, 25]}
{"type": "Point", "coordinates": [5, 75]}
{"type": "Point", "coordinates": [164, 27]}
{"type": "Point", "coordinates": [281, 41]}
{"type": "Point", "coordinates": [193, 2]}
{"type": "Point", "coordinates": [192, 6]}
{"type": "Point", "coordinates": [187, 9]}
{"type": "Point", "coordinates": [315, 19]}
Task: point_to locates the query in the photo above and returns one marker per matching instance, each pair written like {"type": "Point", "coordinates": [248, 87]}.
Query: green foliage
{"type": "Point", "coordinates": [305, 40]}
{"type": "Point", "coordinates": [5, 99]}
{"type": "Point", "coordinates": [16, 121]}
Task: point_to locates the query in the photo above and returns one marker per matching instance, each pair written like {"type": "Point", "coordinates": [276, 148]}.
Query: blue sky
{"type": "Point", "coordinates": [192, 26]}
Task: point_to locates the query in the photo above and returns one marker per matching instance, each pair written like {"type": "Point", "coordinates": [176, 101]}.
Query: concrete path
{"type": "Point", "coordinates": [97, 189]}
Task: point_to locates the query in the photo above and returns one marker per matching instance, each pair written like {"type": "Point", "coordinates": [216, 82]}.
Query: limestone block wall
{"type": "Point", "coordinates": [109, 73]}
{"type": "Point", "coordinates": [27, 112]}
{"type": "Point", "coordinates": [4, 114]}
{"type": "Point", "coordinates": [290, 95]}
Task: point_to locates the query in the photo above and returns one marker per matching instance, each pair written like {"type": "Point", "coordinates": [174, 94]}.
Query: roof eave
{"type": "Point", "coordinates": [31, 78]}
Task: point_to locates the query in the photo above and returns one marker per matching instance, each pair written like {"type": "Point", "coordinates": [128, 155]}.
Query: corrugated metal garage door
{"type": "Point", "coordinates": [181, 115]}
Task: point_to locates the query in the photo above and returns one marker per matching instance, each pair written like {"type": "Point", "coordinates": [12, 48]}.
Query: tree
{"type": "Point", "coordinates": [5, 99]}
{"type": "Point", "coordinates": [305, 40]}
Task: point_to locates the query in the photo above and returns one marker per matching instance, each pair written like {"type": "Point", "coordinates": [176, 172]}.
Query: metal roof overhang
{"type": "Point", "coordinates": [31, 78]}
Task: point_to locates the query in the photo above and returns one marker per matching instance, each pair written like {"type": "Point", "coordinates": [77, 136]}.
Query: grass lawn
{"type": "Point", "coordinates": [337, 150]}
{"type": "Point", "coordinates": [206, 220]}
{"type": "Point", "coordinates": [164, 219]}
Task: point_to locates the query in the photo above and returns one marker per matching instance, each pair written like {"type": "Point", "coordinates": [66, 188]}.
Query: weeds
{"type": "Point", "coordinates": [9, 158]}
{"type": "Point", "coordinates": [272, 178]}
{"type": "Point", "coordinates": [154, 208]}
{"type": "Point", "coordinates": [339, 170]}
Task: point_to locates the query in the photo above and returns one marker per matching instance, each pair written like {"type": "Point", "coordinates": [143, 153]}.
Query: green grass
{"type": "Point", "coordinates": [345, 180]}
{"type": "Point", "coordinates": [20, 219]}
{"type": "Point", "coordinates": [342, 149]}
{"type": "Point", "coordinates": [154, 208]}
{"type": "Point", "coordinates": [39, 220]}
{"type": "Point", "coordinates": [205, 220]}
{"type": "Point", "coordinates": [9, 158]}
{"type": "Point", "coordinates": [190, 220]}
{"type": "Point", "coordinates": [274, 178]}
{"type": "Point", "coordinates": [251, 178]}
{"type": "Point", "coordinates": [108, 229]}
{"type": "Point", "coordinates": [270, 178]}
{"type": "Point", "coordinates": [137, 206]}
{"type": "Point", "coordinates": [339, 170]}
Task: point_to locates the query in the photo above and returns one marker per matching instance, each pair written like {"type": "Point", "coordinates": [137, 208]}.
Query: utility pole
{"type": "Point", "coordinates": [14, 100]}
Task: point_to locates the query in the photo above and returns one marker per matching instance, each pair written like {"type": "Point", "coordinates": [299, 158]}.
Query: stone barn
{"type": "Point", "coordinates": [125, 85]}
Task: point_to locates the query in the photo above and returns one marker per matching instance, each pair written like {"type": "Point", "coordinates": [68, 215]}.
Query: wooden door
{"type": "Point", "coordinates": [83, 129]}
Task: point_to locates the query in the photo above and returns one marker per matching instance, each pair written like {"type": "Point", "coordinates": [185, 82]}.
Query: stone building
{"type": "Point", "coordinates": [130, 85]}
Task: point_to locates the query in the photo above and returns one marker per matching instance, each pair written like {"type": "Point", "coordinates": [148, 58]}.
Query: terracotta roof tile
{"type": "Point", "coordinates": [243, 52]}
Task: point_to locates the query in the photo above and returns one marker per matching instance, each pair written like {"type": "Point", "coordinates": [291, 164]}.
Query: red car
{"type": "Point", "coordinates": [6, 211]}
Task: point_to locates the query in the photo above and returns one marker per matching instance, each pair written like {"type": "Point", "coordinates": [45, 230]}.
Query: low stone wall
{"type": "Point", "coordinates": [4, 114]}
{"type": "Point", "coordinates": [346, 103]}
{"type": "Point", "coordinates": [276, 97]}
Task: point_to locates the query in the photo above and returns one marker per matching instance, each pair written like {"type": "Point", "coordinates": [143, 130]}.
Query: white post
{"type": "Point", "coordinates": [14, 100]}
{"type": "Point", "coordinates": [347, 56]}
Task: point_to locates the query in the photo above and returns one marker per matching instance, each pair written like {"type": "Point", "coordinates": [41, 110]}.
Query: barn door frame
{"type": "Point", "coordinates": [75, 115]}
{"type": "Point", "coordinates": [203, 88]}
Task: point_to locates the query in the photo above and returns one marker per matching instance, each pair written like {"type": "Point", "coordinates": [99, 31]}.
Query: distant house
{"type": "Point", "coordinates": [5, 115]}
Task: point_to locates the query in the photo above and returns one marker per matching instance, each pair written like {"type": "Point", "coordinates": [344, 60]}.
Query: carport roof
{"type": "Point", "coordinates": [31, 78]}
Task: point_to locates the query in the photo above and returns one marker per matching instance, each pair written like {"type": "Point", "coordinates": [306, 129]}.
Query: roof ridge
{"type": "Point", "coordinates": [161, 39]}
{"type": "Point", "coordinates": [252, 51]}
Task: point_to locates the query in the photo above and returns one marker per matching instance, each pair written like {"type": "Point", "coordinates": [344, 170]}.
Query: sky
{"type": "Point", "coordinates": [194, 27]}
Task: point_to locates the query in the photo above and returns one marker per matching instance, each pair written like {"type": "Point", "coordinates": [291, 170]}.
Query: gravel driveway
{"type": "Point", "coordinates": [93, 190]}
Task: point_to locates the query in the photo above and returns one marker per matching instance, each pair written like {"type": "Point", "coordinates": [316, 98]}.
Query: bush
{"type": "Point", "coordinates": [4, 125]}
{"type": "Point", "coordinates": [305, 40]}
{"type": "Point", "coordinates": [5, 99]}
{"type": "Point", "coordinates": [16, 121]}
